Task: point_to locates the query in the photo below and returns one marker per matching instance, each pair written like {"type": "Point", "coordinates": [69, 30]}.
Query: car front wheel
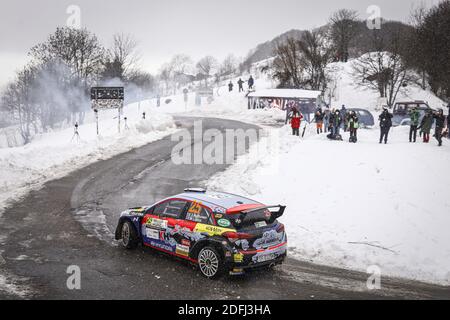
{"type": "Point", "coordinates": [129, 236]}
{"type": "Point", "coordinates": [210, 262]}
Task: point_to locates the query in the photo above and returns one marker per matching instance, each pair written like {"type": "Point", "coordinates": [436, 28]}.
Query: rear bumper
{"type": "Point", "coordinates": [239, 268]}
{"type": "Point", "coordinates": [240, 262]}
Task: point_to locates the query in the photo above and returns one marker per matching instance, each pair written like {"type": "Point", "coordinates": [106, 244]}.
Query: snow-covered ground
{"type": "Point", "coordinates": [356, 205]}
{"type": "Point", "coordinates": [56, 154]}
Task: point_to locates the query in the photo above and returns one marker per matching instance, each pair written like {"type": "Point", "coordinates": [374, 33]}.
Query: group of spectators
{"type": "Point", "coordinates": [335, 120]}
{"type": "Point", "coordinates": [329, 120]}
{"type": "Point", "coordinates": [240, 82]}
{"type": "Point", "coordinates": [423, 126]}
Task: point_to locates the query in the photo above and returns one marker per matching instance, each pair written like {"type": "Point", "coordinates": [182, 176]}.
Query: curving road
{"type": "Point", "coordinates": [70, 222]}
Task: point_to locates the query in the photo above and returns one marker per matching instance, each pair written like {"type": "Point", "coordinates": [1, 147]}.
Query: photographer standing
{"type": "Point", "coordinates": [440, 125]}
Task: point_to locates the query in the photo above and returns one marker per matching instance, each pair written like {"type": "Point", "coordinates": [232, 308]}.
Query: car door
{"type": "Point", "coordinates": [160, 225]}
{"type": "Point", "coordinates": [186, 234]}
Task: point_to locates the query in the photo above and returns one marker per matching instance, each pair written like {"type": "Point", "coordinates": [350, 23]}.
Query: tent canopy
{"type": "Point", "coordinates": [286, 93]}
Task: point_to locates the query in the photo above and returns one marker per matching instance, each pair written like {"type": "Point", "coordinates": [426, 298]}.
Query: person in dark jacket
{"type": "Point", "coordinates": [337, 121]}
{"type": "Point", "coordinates": [318, 118]}
{"type": "Point", "coordinates": [344, 117]}
{"type": "Point", "coordinates": [230, 86]}
{"type": "Point", "coordinates": [250, 82]}
{"type": "Point", "coordinates": [414, 116]}
{"type": "Point", "coordinates": [241, 85]}
{"type": "Point", "coordinates": [326, 119]}
{"type": "Point", "coordinates": [353, 125]}
{"type": "Point", "coordinates": [425, 126]}
{"type": "Point", "coordinates": [440, 125]}
{"type": "Point", "coordinates": [331, 121]}
{"type": "Point", "coordinates": [385, 119]}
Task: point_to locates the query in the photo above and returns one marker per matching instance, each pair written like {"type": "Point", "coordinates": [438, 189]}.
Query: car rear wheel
{"type": "Point", "coordinates": [129, 236]}
{"type": "Point", "coordinates": [210, 262]}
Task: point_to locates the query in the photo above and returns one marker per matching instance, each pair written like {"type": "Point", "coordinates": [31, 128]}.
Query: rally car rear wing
{"type": "Point", "coordinates": [275, 214]}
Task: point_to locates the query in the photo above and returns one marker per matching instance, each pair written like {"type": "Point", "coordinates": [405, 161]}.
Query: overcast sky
{"type": "Point", "coordinates": [166, 27]}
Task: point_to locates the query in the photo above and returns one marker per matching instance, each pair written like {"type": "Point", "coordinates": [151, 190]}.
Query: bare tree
{"type": "Point", "coordinates": [79, 49]}
{"type": "Point", "coordinates": [182, 66]}
{"type": "Point", "coordinates": [125, 51]}
{"type": "Point", "coordinates": [343, 28]}
{"type": "Point", "coordinates": [206, 66]}
{"type": "Point", "coordinates": [122, 58]}
{"type": "Point", "coordinates": [228, 66]}
{"type": "Point", "coordinates": [16, 101]}
{"type": "Point", "coordinates": [315, 55]}
{"type": "Point", "coordinates": [166, 76]}
{"type": "Point", "coordinates": [382, 70]}
{"type": "Point", "coordinates": [288, 64]}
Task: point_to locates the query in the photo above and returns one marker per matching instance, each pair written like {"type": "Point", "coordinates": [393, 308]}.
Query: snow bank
{"type": "Point", "coordinates": [56, 154]}
{"type": "Point", "coordinates": [356, 205]}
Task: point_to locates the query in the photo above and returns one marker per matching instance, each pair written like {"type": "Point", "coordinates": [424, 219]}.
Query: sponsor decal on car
{"type": "Point", "coordinates": [152, 233]}
{"type": "Point", "coordinates": [223, 223]}
{"type": "Point", "coordinates": [268, 239]}
{"type": "Point", "coordinates": [185, 242]}
{"type": "Point", "coordinates": [161, 245]}
{"type": "Point", "coordinates": [182, 250]}
{"type": "Point", "coordinates": [238, 257]}
{"type": "Point", "coordinates": [211, 230]}
{"type": "Point", "coordinates": [219, 210]}
{"type": "Point", "coordinates": [156, 223]}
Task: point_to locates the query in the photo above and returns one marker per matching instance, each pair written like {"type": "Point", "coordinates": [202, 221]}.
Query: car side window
{"type": "Point", "coordinates": [197, 213]}
{"type": "Point", "coordinates": [170, 209]}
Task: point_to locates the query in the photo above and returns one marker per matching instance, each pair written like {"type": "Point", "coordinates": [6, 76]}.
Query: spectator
{"type": "Point", "coordinates": [295, 122]}
{"type": "Point", "coordinates": [326, 119]}
{"type": "Point", "coordinates": [440, 124]}
{"type": "Point", "coordinates": [344, 117]}
{"type": "Point", "coordinates": [241, 85]}
{"type": "Point", "coordinates": [353, 125]}
{"type": "Point", "coordinates": [319, 120]}
{"type": "Point", "coordinates": [251, 82]}
{"type": "Point", "coordinates": [414, 116]}
{"type": "Point", "coordinates": [425, 126]}
{"type": "Point", "coordinates": [385, 119]}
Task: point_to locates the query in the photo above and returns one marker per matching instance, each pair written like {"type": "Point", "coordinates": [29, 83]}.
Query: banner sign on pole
{"type": "Point", "coordinates": [107, 98]}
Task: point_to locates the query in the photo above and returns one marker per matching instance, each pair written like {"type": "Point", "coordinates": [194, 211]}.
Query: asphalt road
{"type": "Point", "coordinates": [70, 221]}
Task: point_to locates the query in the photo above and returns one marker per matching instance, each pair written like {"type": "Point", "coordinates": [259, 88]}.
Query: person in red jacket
{"type": "Point", "coordinates": [296, 120]}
